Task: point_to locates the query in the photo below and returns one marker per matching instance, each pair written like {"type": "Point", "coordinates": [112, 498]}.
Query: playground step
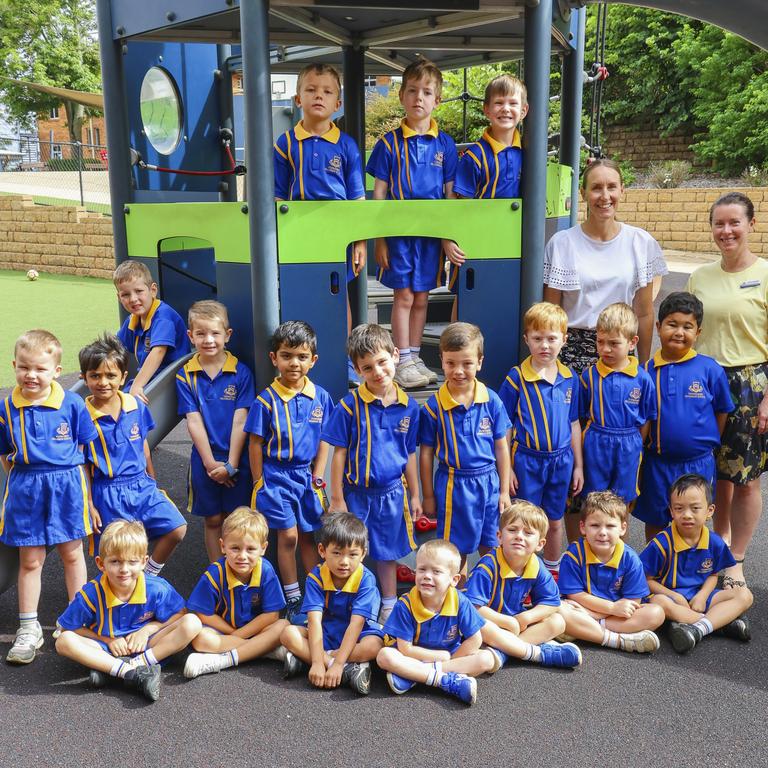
{"type": "Point", "coordinates": [380, 303]}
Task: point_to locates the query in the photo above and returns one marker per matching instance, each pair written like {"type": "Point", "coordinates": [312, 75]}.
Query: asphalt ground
{"type": "Point", "coordinates": [704, 709]}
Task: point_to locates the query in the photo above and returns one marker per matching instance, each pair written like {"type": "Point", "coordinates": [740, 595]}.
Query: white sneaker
{"type": "Point", "coordinates": [639, 642]}
{"type": "Point", "coordinates": [278, 654]}
{"type": "Point", "coordinates": [408, 376]}
{"type": "Point", "coordinates": [202, 664]}
{"type": "Point", "coordinates": [421, 367]}
{"type": "Point", "coordinates": [25, 646]}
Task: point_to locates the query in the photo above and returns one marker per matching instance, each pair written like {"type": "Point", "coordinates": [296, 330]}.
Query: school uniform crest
{"type": "Point", "coordinates": [404, 424]}
{"type": "Point", "coordinates": [230, 392]}
{"type": "Point", "coordinates": [147, 342]}
{"type": "Point", "coordinates": [695, 389]}
{"type": "Point", "coordinates": [452, 633]}
{"type": "Point", "coordinates": [617, 584]}
{"type": "Point", "coordinates": [568, 395]}
{"type": "Point", "coordinates": [706, 565]}
{"type": "Point", "coordinates": [334, 164]}
{"type": "Point", "coordinates": [62, 432]}
{"type": "Point", "coordinates": [634, 395]}
{"type": "Point", "coordinates": [316, 417]}
{"type": "Point", "coordinates": [438, 159]}
{"type": "Point", "coordinates": [135, 433]}
{"type": "Point", "coordinates": [484, 427]}
{"type": "Point", "coordinates": [256, 598]}
{"type": "Point", "coordinates": [145, 617]}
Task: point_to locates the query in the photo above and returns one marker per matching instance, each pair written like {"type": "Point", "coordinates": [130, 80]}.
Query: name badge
{"type": "Point", "coordinates": [750, 284]}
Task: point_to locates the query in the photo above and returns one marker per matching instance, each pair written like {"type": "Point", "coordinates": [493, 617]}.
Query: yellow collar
{"type": "Point", "coordinates": [286, 394]}
{"type": "Point", "coordinates": [139, 594]}
{"type": "Point", "coordinates": [233, 581]}
{"type": "Point", "coordinates": [230, 364]}
{"type": "Point", "coordinates": [134, 321]}
{"type": "Point", "coordinates": [352, 584]}
{"type": "Point", "coordinates": [497, 146]}
{"type": "Point", "coordinates": [127, 404]}
{"type": "Point", "coordinates": [630, 370]}
{"type": "Point", "coordinates": [593, 559]}
{"type": "Point", "coordinates": [531, 570]}
{"type": "Point", "coordinates": [450, 606]}
{"type": "Point", "coordinates": [446, 398]}
{"type": "Point", "coordinates": [332, 134]}
{"type": "Point", "coordinates": [680, 544]}
{"type": "Point", "coordinates": [408, 132]}
{"type": "Point", "coordinates": [658, 360]}
{"type": "Point", "coordinates": [368, 397]}
{"type": "Point", "coordinates": [529, 374]}
{"type": "Point", "coordinates": [54, 400]}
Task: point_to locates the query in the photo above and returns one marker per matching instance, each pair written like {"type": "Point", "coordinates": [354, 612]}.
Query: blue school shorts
{"type": "Point", "coordinates": [414, 262]}
{"type": "Point", "coordinates": [207, 497]}
{"type": "Point", "coordinates": [135, 497]}
{"type": "Point", "coordinates": [333, 633]}
{"type": "Point", "coordinates": [468, 506]}
{"type": "Point", "coordinates": [386, 512]}
{"type": "Point", "coordinates": [286, 497]}
{"type": "Point", "coordinates": [612, 460]}
{"type": "Point", "coordinates": [709, 598]}
{"type": "Point", "coordinates": [657, 478]}
{"type": "Point", "coordinates": [43, 507]}
{"type": "Point", "coordinates": [543, 477]}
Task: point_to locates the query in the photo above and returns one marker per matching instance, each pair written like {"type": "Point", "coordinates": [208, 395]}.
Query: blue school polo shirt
{"type": "Point", "coordinates": [689, 394]}
{"type": "Point", "coordinates": [490, 169]}
{"type": "Point", "coordinates": [48, 435]}
{"type": "Point", "coordinates": [446, 630]}
{"type": "Point", "coordinates": [541, 413]}
{"type": "Point", "coordinates": [290, 422]}
{"type": "Point", "coordinates": [415, 166]}
{"type": "Point", "coordinates": [216, 400]}
{"type": "Point", "coordinates": [118, 451]}
{"type": "Point", "coordinates": [219, 592]}
{"type": "Point", "coordinates": [309, 167]}
{"type": "Point", "coordinates": [97, 608]}
{"type": "Point", "coordinates": [669, 560]}
{"type": "Point", "coordinates": [493, 583]}
{"type": "Point", "coordinates": [463, 438]}
{"type": "Point", "coordinates": [621, 577]}
{"type": "Point", "coordinates": [163, 327]}
{"type": "Point", "coordinates": [378, 440]}
{"type": "Point", "coordinates": [617, 399]}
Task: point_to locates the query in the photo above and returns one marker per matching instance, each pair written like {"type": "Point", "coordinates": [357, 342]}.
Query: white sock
{"type": "Point", "coordinates": [532, 653]}
{"type": "Point", "coordinates": [292, 590]}
{"type": "Point", "coordinates": [435, 675]}
{"type": "Point", "coordinates": [611, 639]}
{"type": "Point", "coordinates": [229, 659]}
{"type": "Point", "coordinates": [153, 567]}
{"type": "Point", "coordinates": [705, 625]}
{"type": "Point", "coordinates": [119, 668]}
{"type": "Point", "coordinates": [387, 604]}
{"type": "Point", "coordinates": [552, 565]}
{"type": "Point", "coordinates": [405, 354]}
{"type": "Point", "coordinates": [148, 657]}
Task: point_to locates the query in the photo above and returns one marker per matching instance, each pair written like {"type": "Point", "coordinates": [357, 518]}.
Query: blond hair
{"type": "Point", "coordinates": [545, 316]}
{"type": "Point", "coordinates": [618, 318]}
{"type": "Point", "coordinates": [420, 70]}
{"type": "Point", "coordinates": [123, 538]}
{"type": "Point", "coordinates": [245, 522]}
{"type": "Point", "coordinates": [459, 336]}
{"type": "Point", "coordinates": [505, 85]}
{"type": "Point", "coordinates": [441, 548]}
{"type": "Point", "coordinates": [40, 341]}
{"type": "Point", "coordinates": [527, 513]}
{"type": "Point", "coordinates": [319, 69]}
{"type": "Point", "coordinates": [208, 310]}
{"type": "Point", "coordinates": [132, 270]}
{"type": "Point", "coordinates": [606, 502]}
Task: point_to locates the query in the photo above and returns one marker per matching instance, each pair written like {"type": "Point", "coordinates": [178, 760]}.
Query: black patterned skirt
{"type": "Point", "coordinates": [580, 351]}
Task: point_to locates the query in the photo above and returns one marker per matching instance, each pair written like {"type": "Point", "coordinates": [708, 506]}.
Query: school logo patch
{"type": "Point", "coordinates": [135, 433]}
{"type": "Point", "coordinates": [484, 427]}
{"type": "Point", "coordinates": [147, 342]}
{"type": "Point", "coordinates": [568, 396]}
{"type": "Point", "coordinates": [617, 584]}
{"type": "Point", "coordinates": [62, 432]}
{"type": "Point", "coordinates": [230, 392]}
{"type": "Point", "coordinates": [145, 617]}
{"type": "Point", "coordinates": [695, 390]}
{"type": "Point", "coordinates": [334, 164]}
{"type": "Point", "coordinates": [634, 396]}
{"type": "Point", "coordinates": [404, 424]}
{"type": "Point", "coordinates": [706, 565]}
{"type": "Point", "coordinates": [452, 633]}
{"type": "Point", "coordinates": [256, 599]}
{"type": "Point", "coordinates": [316, 417]}
{"type": "Point", "coordinates": [438, 159]}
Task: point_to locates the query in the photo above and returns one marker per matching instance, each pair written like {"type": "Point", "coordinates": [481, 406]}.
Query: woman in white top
{"type": "Point", "coordinates": [600, 262]}
{"type": "Point", "coordinates": [734, 292]}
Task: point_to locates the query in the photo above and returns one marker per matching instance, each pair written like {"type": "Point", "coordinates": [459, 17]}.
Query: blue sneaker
{"type": "Point", "coordinates": [293, 612]}
{"type": "Point", "coordinates": [399, 685]}
{"type": "Point", "coordinates": [352, 377]}
{"type": "Point", "coordinates": [564, 655]}
{"type": "Point", "coordinates": [461, 686]}
{"type": "Point", "coordinates": [499, 658]}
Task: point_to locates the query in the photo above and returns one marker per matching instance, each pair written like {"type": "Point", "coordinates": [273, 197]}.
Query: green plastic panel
{"type": "Point", "coordinates": [171, 244]}
{"type": "Point", "coordinates": [558, 190]}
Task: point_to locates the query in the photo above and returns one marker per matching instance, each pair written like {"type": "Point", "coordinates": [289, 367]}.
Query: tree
{"type": "Point", "coordinates": [51, 42]}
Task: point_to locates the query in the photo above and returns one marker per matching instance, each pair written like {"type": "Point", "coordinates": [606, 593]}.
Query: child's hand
{"type": "Point", "coordinates": [454, 254]}
{"type": "Point", "coordinates": [359, 256]}
{"type": "Point", "coordinates": [577, 480]}
{"type": "Point", "coordinates": [317, 674]}
{"type": "Point", "coordinates": [137, 641]}
{"type": "Point", "coordinates": [513, 484]}
{"type": "Point", "coordinates": [333, 675]}
{"type": "Point", "coordinates": [698, 603]}
{"type": "Point", "coordinates": [95, 518]}
{"type": "Point", "coordinates": [220, 475]}
{"type": "Point", "coordinates": [504, 501]}
{"type": "Point", "coordinates": [138, 391]}
{"type": "Point", "coordinates": [381, 253]}
{"type": "Point", "coordinates": [624, 608]}
{"type": "Point", "coordinates": [428, 508]}
{"type": "Point", "coordinates": [416, 509]}
{"type": "Point", "coordinates": [117, 646]}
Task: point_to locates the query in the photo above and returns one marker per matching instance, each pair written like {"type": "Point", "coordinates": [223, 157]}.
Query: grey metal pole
{"type": "Point", "coordinates": [254, 31]}
{"type": "Point", "coordinates": [79, 150]}
{"type": "Point", "coordinates": [226, 109]}
{"type": "Point", "coordinates": [116, 117]}
{"type": "Point", "coordinates": [570, 115]}
{"type": "Point", "coordinates": [354, 125]}
{"type": "Point", "coordinates": [538, 43]}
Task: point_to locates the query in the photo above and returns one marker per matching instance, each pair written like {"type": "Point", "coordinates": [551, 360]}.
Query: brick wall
{"type": "Point", "coordinates": [94, 132]}
{"type": "Point", "coordinates": [54, 238]}
{"type": "Point", "coordinates": [643, 146]}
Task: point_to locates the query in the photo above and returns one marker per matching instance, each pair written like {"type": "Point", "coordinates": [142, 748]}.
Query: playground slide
{"type": "Point", "coordinates": [162, 398]}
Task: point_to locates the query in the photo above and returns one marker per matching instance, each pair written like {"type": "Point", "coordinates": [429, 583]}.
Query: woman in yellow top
{"type": "Point", "coordinates": [734, 292]}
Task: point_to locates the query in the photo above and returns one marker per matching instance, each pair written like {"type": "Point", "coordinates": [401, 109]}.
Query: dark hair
{"type": "Point", "coordinates": [368, 340]}
{"type": "Point", "coordinates": [106, 347]}
{"type": "Point", "coordinates": [458, 336]}
{"type": "Point", "coordinates": [683, 302]}
{"type": "Point", "coordinates": [691, 480]}
{"type": "Point", "coordinates": [733, 198]}
{"type": "Point", "coordinates": [343, 529]}
{"type": "Point", "coordinates": [294, 333]}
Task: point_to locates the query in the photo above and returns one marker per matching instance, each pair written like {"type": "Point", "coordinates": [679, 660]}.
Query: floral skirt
{"type": "Point", "coordinates": [580, 351]}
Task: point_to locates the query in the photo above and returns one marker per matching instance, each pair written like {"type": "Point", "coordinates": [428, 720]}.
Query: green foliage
{"type": "Point", "coordinates": [382, 114]}
{"type": "Point", "coordinates": [668, 174]}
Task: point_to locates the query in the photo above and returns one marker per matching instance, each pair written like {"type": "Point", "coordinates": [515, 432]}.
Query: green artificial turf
{"type": "Point", "coordinates": [75, 309]}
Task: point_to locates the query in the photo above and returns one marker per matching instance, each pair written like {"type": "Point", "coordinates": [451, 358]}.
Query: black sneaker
{"type": "Point", "coordinates": [145, 680]}
{"type": "Point", "coordinates": [293, 666]}
{"type": "Point", "coordinates": [293, 612]}
{"type": "Point", "coordinates": [738, 629]}
{"type": "Point", "coordinates": [357, 676]}
{"type": "Point", "coordinates": [99, 679]}
{"type": "Point", "coordinates": [684, 637]}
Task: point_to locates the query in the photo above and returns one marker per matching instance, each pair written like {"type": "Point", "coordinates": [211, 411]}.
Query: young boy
{"type": "Point", "coordinates": [154, 332]}
{"type": "Point", "coordinates": [681, 565]}
{"type": "Point", "coordinates": [604, 582]}
{"type": "Point", "coordinates": [214, 391]}
{"type": "Point", "coordinates": [541, 396]}
{"type": "Point", "coordinates": [693, 402]}
{"type": "Point", "coordinates": [316, 161]}
{"type": "Point", "coordinates": [43, 431]}
{"type": "Point", "coordinates": [503, 579]}
{"type": "Point", "coordinates": [287, 459]}
{"type": "Point", "coordinates": [238, 599]}
{"type": "Point", "coordinates": [123, 484]}
{"type": "Point", "coordinates": [373, 470]}
{"type": "Point", "coordinates": [341, 603]}
{"type": "Point", "coordinates": [465, 426]}
{"type": "Point", "coordinates": [433, 635]}
{"type": "Point", "coordinates": [124, 623]}
{"type": "Point", "coordinates": [414, 162]}
{"type": "Point", "coordinates": [618, 400]}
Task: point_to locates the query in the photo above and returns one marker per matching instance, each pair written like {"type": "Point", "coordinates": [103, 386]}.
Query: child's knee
{"type": "Point", "coordinates": [213, 522]}
{"type": "Point", "coordinates": [190, 626]}
{"type": "Point", "coordinates": [654, 614]}
{"type": "Point", "coordinates": [65, 642]}
{"type": "Point", "coordinates": [744, 597]}
{"type": "Point", "coordinates": [385, 658]}
{"type": "Point", "coordinates": [556, 623]}
{"type": "Point", "coordinates": [176, 536]}
{"type": "Point", "coordinates": [290, 636]}
{"type": "Point", "coordinates": [288, 538]}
